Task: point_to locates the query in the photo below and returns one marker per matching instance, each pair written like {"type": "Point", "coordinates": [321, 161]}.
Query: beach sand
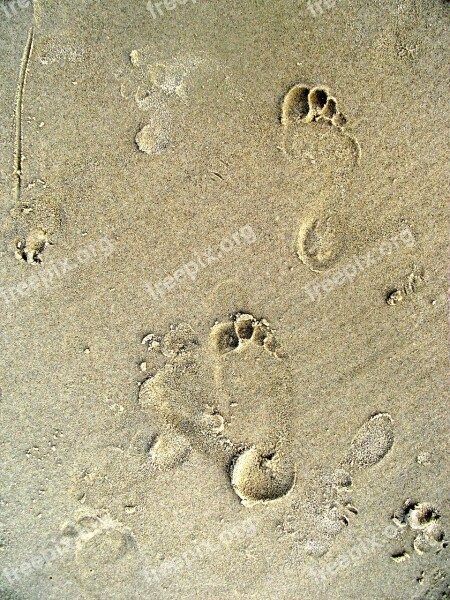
{"type": "Point", "coordinates": [224, 275]}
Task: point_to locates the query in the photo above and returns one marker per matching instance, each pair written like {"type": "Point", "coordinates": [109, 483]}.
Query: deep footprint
{"type": "Point", "coordinates": [256, 399]}
{"type": "Point", "coordinates": [261, 478]}
{"type": "Point", "coordinates": [315, 134]}
{"type": "Point", "coordinates": [307, 105]}
{"type": "Point", "coordinates": [241, 417]}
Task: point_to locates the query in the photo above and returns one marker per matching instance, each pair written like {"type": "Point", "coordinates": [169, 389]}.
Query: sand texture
{"type": "Point", "coordinates": [224, 300]}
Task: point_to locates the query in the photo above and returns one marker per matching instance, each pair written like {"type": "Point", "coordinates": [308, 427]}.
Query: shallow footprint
{"type": "Point", "coordinates": [372, 442]}
{"type": "Point", "coordinates": [168, 449]}
{"type": "Point", "coordinates": [326, 507]}
{"type": "Point", "coordinates": [321, 513]}
{"type": "Point", "coordinates": [315, 134]}
{"type": "Point", "coordinates": [319, 244]}
{"type": "Point", "coordinates": [101, 548]}
{"type": "Point", "coordinates": [178, 399]}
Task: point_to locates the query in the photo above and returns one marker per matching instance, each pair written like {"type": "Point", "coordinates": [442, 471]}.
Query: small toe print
{"type": "Point", "coordinates": [242, 328]}
{"type": "Point", "coordinates": [330, 108]}
{"type": "Point", "coordinates": [317, 100]}
{"type": "Point", "coordinates": [245, 326]}
{"type": "Point", "coordinates": [422, 515]}
{"type": "Point", "coordinates": [338, 120]}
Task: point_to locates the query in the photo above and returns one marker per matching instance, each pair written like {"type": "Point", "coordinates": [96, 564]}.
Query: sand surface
{"type": "Point", "coordinates": [224, 317]}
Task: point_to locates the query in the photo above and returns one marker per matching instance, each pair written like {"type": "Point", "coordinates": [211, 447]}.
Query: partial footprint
{"type": "Point", "coordinates": [304, 104]}
{"type": "Point", "coordinates": [31, 224]}
{"type": "Point", "coordinates": [152, 138]}
{"type": "Point", "coordinates": [252, 381]}
{"type": "Point", "coordinates": [161, 451]}
{"type": "Point", "coordinates": [31, 248]}
{"type": "Point", "coordinates": [97, 538]}
{"type": "Point", "coordinates": [314, 133]}
{"type": "Point", "coordinates": [322, 512]}
{"type": "Point", "coordinates": [414, 282]}
{"type": "Point", "coordinates": [105, 549]}
{"type": "Point", "coordinates": [326, 507]}
{"type": "Point", "coordinates": [420, 523]}
{"type": "Point", "coordinates": [178, 398]}
{"type": "Point", "coordinates": [258, 477]}
{"type": "Point", "coordinates": [319, 244]}
{"type": "Point", "coordinates": [372, 442]}
{"type": "Point", "coordinates": [102, 549]}
{"type": "Point", "coordinates": [152, 86]}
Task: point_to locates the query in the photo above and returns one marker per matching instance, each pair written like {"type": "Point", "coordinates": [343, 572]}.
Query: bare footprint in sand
{"type": "Point", "coordinates": [326, 507]}
{"type": "Point", "coordinates": [254, 386]}
{"type": "Point", "coordinates": [151, 86]}
{"type": "Point", "coordinates": [315, 133]}
{"type": "Point", "coordinates": [315, 137]}
{"type": "Point", "coordinates": [101, 547]}
{"type": "Point", "coordinates": [174, 366]}
{"type": "Point", "coordinates": [178, 398]}
{"type": "Point", "coordinates": [371, 443]}
{"type": "Point", "coordinates": [217, 399]}
{"type": "Point", "coordinates": [318, 243]}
